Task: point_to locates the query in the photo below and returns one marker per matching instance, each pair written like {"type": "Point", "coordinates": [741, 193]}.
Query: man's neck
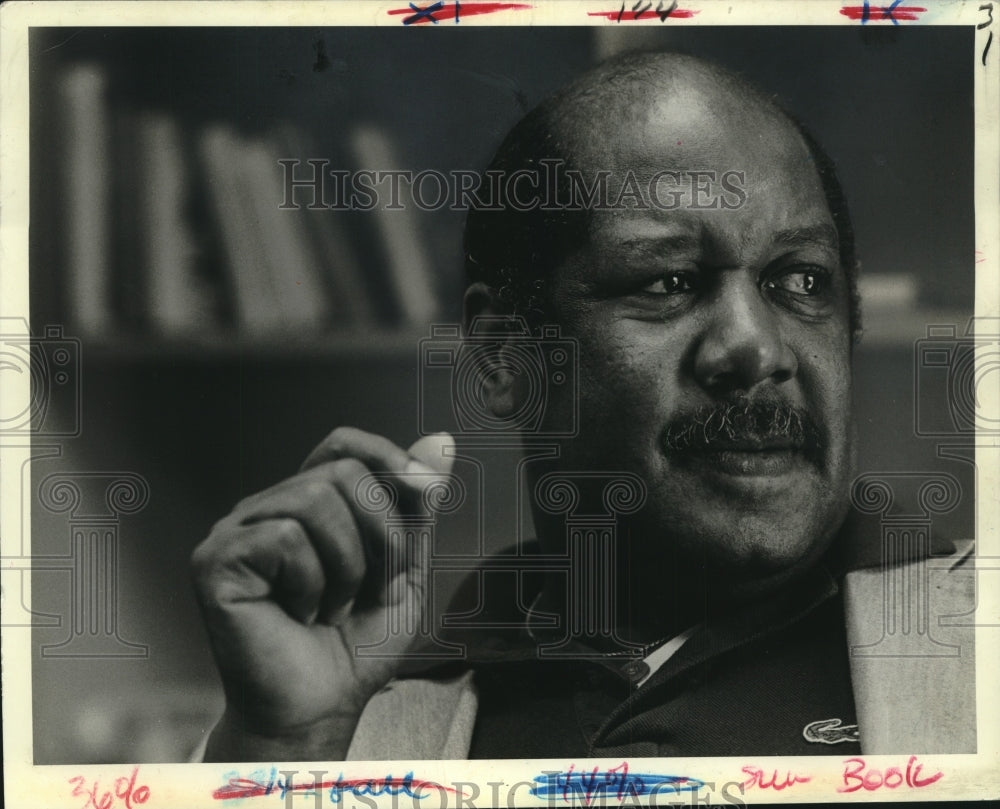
{"type": "Point", "coordinates": [625, 621]}
{"type": "Point", "coordinates": [644, 614]}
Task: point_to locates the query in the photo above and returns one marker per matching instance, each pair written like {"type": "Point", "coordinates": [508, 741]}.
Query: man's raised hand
{"type": "Point", "coordinates": [293, 580]}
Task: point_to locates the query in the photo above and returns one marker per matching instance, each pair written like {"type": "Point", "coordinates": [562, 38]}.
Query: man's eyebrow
{"type": "Point", "coordinates": [822, 235]}
{"type": "Point", "coordinates": [657, 245]}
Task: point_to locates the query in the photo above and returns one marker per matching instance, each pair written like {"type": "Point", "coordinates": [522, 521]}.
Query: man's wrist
{"type": "Point", "coordinates": [327, 739]}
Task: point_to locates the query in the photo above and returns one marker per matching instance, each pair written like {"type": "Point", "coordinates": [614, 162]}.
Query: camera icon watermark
{"type": "Point", "coordinates": [543, 365]}
{"type": "Point", "coordinates": [50, 403]}
{"type": "Point", "coordinates": [951, 373]}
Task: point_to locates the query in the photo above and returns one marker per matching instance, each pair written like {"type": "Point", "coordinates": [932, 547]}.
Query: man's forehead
{"type": "Point", "coordinates": [687, 128]}
{"type": "Point", "coordinates": [653, 237]}
{"type": "Point", "coordinates": [706, 164]}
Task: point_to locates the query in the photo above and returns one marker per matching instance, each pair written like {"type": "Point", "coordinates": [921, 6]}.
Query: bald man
{"type": "Point", "coordinates": [715, 319]}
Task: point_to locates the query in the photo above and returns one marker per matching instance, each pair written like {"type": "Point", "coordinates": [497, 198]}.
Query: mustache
{"type": "Point", "coordinates": [744, 425]}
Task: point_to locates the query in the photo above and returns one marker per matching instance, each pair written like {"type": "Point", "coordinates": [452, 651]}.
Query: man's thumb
{"type": "Point", "coordinates": [435, 451]}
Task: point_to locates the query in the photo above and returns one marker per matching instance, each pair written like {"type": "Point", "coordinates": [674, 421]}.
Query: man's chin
{"type": "Point", "coordinates": [751, 544]}
{"type": "Point", "coordinates": [758, 552]}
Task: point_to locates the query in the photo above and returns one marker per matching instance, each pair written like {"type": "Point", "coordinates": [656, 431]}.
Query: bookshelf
{"type": "Point", "coordinates": [156, 184]}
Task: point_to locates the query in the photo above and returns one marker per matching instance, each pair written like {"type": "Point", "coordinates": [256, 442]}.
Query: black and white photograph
{"type": "Point", "coordinates": [499, 403]}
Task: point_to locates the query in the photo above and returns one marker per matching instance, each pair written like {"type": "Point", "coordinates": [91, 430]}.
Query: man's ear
{"type": "Point", "coordinates": [480, 301]}
{"type": "Point", "coordinates": [503, 390]}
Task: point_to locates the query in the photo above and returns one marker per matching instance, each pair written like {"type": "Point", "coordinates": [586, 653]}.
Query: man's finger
{"type": "Point", "coordinates": [437, 451]}
{"type": "Point", "coordinates": [318, 504]}
{"type": "Point", "coordinates": [380, 454]}
{"type": "Point", "coordinates": [272, 559]}
{"type": "Point", "coordinates": [376, 452]}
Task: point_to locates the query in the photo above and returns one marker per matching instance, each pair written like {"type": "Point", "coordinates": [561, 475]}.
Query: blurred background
{"type": "Point", "coordinates": [219, 342]}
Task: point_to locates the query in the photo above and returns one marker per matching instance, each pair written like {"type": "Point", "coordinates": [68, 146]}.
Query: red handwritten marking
{"type": "Point", "coordinates": [124, 789]}
{"type": "Point", "coordinates": [892, 778]}
{"type": "Point", "coordinates": [407, 785]}
{"type": "Point", "coordinates": [467, 9]}
{"type": "Point", "coordinates": [981, 257]}
{"type": "Point", "coordinates": [566, 782]}
{"type": "Point", "coordinates": [629, 16]}
{"type": "Point", "coordinates": [875, 13]}
{"type": "Point", "coordinates": [758, 779]}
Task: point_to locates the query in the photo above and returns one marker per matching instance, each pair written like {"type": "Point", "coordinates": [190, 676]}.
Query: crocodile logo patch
{"type": "Point", "coordinates": [829, 731]}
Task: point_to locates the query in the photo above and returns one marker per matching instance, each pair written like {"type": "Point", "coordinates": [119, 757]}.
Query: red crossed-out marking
{"type": "Point", "coordinates": [648, 13]}
{"type": "Point", "coordinates": [894, 12]}
{"type": "Point", "coordinates": [440, 11]}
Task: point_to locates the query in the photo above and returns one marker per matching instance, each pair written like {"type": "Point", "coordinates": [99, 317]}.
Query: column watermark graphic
{"type": "Point", "coordinates": [94, 560]}
{"type": "Point", "coordinates": [907, 616]}
{"type": "Point", "coordinates": [592, 553]}
{"type": "Point", "coordinates": [409, 543]}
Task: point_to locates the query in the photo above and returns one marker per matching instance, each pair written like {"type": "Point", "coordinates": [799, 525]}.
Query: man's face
{"type": "Point", "coordinates": [679, 313]}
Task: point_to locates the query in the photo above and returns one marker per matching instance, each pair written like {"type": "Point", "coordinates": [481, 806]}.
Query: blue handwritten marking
{"type": "Point", "coordinates": [376, 787]}
{"type": "Point", "coordinates": [616, 782]}
{"type": "Point", "coordinates": [886, 12]}
{"type": "Point", "coordinates": [425, 13]}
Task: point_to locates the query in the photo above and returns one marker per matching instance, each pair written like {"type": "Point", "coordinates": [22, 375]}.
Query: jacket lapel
{"type": "Point", "coordinates": [912, 655]}
{"type": "Point", "coordinates": [417, 719]}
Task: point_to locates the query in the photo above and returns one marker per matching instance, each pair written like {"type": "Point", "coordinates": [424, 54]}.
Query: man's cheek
{"type": "Point", "coordinates": [828, 391]}
{"type": "Point", "coordinates": [621, 414]}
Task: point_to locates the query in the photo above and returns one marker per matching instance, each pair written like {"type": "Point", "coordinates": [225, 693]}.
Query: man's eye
{"type": "Point", "coordinates": [672, 283]}
{"type": "Point", "coordinates": [807, 282]}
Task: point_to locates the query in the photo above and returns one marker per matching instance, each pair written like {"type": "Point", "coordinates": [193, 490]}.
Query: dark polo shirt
{"type": "Point", "coordinates": [747, 682]}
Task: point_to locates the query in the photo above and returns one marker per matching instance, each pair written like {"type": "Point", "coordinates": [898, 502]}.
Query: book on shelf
{"type": "Point", "coordinates": [87, 153]}
{"type": "Point", "coordinates": [178, 301]}
{"type": "Point", "coordinates": [329, 233]}
{"type": "Point", "coordinates": [255, 309]}
{"type": "Point", "coordinates": [290, 264]}
{"type": "Point", "coordinates": [128, 291]}
{"type": "Point", "coordinates": [409, 272]}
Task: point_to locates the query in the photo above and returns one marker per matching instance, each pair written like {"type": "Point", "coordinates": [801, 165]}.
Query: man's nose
{"type": "Point", "coordinates": [742, 344]}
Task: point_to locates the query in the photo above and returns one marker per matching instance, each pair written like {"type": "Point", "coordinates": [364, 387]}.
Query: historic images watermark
{"type": "Point", "coordinates": [552, 186]}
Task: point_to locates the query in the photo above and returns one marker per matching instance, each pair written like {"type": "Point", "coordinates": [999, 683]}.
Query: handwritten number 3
{"type": "Point", "coordinates": [988, 8]}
